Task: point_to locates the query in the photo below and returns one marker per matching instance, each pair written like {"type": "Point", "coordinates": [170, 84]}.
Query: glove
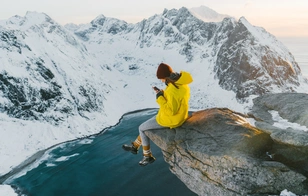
{"type": "Point", "coordinates": [160, 93]}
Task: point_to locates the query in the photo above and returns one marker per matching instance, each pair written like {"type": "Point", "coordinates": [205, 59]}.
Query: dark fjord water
{"type": "Point", "coordinates": [99, 166]}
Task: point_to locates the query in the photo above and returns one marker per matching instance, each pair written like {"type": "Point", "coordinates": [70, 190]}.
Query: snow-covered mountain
{"type": "Point", "coordinates": [246, 59]}
{"type": "Point", "coordinates": [207, 14]}
{"type": "Point", "coordinates": [60, 83]}
{"type": "Point", "coordinates": [253, 61]}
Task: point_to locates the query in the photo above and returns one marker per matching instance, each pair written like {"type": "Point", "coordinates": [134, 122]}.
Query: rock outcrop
{"type": "Point", "coordinates": [291, 146]}
{"type": "Point", "coordinates": [290, 106]}
{"type": "Point", "coordinates": [218, 152]}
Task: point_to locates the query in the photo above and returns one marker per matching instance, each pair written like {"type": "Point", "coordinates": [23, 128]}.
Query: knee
{"type": "Point", "coordinates": [141, 127]}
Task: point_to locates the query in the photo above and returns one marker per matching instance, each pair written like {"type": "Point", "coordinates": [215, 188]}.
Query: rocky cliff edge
{"type": "Point", "coordinates": [219, 152]}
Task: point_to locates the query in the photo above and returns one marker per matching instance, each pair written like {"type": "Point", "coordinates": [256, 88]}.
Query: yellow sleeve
{"type": "Point", "coordinates": [169, 107]}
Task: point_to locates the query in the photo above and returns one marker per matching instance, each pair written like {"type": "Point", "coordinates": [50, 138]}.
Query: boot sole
{"type": "Point", "coordinates": [133, 152]}
{"type": "Point", "coordinates": [147, 163]}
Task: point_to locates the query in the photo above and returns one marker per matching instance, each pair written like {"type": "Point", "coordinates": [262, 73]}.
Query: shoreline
{"type": "Point", "coordinates": [36, 156]}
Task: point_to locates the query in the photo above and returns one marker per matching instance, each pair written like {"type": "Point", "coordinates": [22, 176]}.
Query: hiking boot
{"type": "Point", "coordinates": [130, 148]}
{"type": "Point", "coordinates": [146, 160]}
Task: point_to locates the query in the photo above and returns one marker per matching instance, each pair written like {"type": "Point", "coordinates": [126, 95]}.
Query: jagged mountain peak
{"type": "Point", "coordinates": [37, 23]}
{"type": "Point", "coordinates": [99, 20]}
{"type": "Point", "coordinates": [183, 11]}
{"type": "Point", "coordinates": [99, 25]}
{"type": "Point", "coordinates": [252, 61]}
{"type": "Point", "coordinates": [207, 14]}
{"type": "Point", "coordinates": [30, 19]}
{"type": "Point", "coordinates": [38, 17]}
{"type": "Point", "coordinates": [165, 23]}
{"type": "Point", "coordinates": [261, 36]}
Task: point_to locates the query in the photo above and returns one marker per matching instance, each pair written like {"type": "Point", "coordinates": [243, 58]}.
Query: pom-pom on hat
{"type": "Point", "coordinates": [163, 71]}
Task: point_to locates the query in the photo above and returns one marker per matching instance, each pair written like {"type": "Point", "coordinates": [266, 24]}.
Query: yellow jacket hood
{"type": "Point", "coordinates": [185, 78]}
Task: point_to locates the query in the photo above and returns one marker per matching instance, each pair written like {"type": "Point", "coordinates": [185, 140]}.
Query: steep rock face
{"type": "Point", "coordinates": [22, 98]}
{"type": "Point", "coordinates": [182, 31]}
{"type": "Point", "coordinates": [27, 102]}
{"type": "Point", "coordinates": [217, 152]}
{"type": "Point", "coordinates": [38, 76]}
{"type": "Point", "coordinates": [252, 61]}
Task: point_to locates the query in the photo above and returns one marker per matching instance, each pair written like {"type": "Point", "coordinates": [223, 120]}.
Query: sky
{"type": "Point", "coordinates": [280, 17]}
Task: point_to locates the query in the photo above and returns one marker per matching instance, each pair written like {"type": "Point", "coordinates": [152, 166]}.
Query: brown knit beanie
{"type": "Point", "coordinates": [163, 71]}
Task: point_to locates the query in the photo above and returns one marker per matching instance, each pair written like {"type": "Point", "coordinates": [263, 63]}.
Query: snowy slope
{"type": "Point", "coordinates": [52, 89]}
{"type": "Point", "coordinates": [207, 14]}
{"type": "Point", "coordinates": [61, 83]}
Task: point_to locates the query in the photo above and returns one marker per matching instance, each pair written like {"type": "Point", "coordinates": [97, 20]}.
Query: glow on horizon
{"type": "Point", "coordinates": [282, 18]}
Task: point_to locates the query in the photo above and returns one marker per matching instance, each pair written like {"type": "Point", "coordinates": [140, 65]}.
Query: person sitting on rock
{"type": "Point", "coordinates": [172, 113]}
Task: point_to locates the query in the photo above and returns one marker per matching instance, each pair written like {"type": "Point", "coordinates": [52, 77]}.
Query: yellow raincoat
{"type": "Point", "coordinates": [173, 105]}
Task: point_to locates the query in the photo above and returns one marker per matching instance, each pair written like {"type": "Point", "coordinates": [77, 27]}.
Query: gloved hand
{"type": "Point", "coordinates": [159, 93]}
